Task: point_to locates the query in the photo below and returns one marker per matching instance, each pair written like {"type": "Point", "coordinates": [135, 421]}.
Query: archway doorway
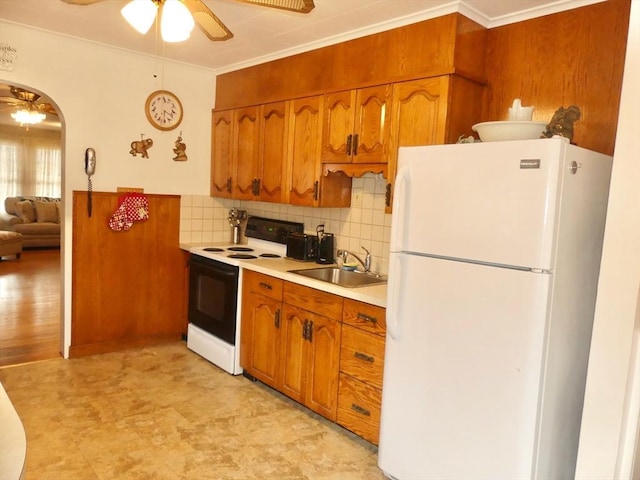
{"type": "Point", "coordinates": [31, 190]}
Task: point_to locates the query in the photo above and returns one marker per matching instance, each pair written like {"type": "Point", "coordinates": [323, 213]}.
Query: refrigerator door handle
{"type": "Point", "coordinates": [401, 199]}
{"type": "Point", "coordinates": [393, 297]}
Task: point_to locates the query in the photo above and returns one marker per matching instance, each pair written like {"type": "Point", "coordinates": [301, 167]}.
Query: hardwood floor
{"type": "Point", "coordinates": [30, 307]}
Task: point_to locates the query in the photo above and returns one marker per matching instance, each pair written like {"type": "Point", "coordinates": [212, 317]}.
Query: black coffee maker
{"type": "Point", "coordinates": [325, 246]}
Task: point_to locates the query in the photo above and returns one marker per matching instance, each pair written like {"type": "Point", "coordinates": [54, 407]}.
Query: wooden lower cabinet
{"type": "Point", "coordinates": [260, 334]}
{"type": "Point", "coordinates": [287, 345]}
{"type": "Point", "coordinates": [321, 350]}
{"type": "Point", "coordinates": [361, 369]}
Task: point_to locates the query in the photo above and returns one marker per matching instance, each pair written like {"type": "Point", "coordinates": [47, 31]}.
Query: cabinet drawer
{"type": "Point", "coordinates": [263, 284]}
{"type": "Point", "coordinates": [362, 355]}
{"type": "Point", "coordinates": [359, 408]}
{"type": "Point", "coordinates": [326, 304]}
{"type": "Point", "coordinates": [366, 316]}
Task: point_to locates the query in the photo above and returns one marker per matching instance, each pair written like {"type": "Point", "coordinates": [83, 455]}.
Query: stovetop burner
{"type": "Point", "coordinates": [240, 249]}
{"type": "Point", "coordinates": [270, 255]}
{"type": "Point", "coordinates": [213, 249]}
{"type": "Point", "coordinates": [242, 256]}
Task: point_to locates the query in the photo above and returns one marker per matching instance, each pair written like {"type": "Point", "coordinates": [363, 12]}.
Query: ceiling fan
{"type": "Point", "coordinates": [29, 109]}
{"type": "Point", "coordinates": [144, 12]}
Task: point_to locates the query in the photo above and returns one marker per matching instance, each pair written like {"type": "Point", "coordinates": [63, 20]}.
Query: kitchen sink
{"type": "Point", "coordinates": [343, 278]}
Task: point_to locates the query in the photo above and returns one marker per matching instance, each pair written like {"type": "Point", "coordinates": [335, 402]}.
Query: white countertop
{"type": "Point", "coordinates": [279, 268]}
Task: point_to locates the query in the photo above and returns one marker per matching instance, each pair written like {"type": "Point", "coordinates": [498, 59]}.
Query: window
{"type": "Point", "coordinates": [30, 162]}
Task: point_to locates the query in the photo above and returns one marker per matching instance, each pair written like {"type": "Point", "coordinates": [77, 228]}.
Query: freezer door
{"type": "Point", "coordinates": [463, 365]}
{"type": "Point", "coordinates": [492, 202]}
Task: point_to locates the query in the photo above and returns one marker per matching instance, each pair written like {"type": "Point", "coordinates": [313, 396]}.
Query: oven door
{"type": "Point", "coordinates": [213, 292]}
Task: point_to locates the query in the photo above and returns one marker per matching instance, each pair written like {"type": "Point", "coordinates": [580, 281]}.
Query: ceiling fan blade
{"type": "Point", "coordinates": [46, 108]}
{"type": "Point", "coordinates": [211, 25]}
{"type": "Point", "coordinates": [300, 6]}
{"type": "Point", "coordinates": [81, 2]}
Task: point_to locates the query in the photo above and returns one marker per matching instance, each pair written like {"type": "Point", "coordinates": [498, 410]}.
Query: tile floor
{"type": "Point", "coordinates": [165, 413]}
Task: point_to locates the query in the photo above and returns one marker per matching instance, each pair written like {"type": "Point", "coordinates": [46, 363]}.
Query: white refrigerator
{"type": "Point", "coordinates": [495, 253]}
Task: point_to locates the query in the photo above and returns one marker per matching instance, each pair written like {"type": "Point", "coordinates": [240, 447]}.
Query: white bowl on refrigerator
{"type": "Point", "coordinates": [509, 130]}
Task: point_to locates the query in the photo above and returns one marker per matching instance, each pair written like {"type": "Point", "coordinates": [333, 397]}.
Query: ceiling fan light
{"type": "Point", "coordinates": [29, 117]}
{"type": "Point", "coordinates": [140, 14]}
{"type": "Point", "coordinates": [176, 23]}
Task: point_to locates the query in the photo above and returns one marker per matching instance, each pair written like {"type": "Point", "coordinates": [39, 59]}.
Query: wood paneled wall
{"type": "Point", "coordinates": [129, 287]}
{"type": "Point", "coordinates": [570, 58]}
{"type": "Point", "coordinates": [433, 47]}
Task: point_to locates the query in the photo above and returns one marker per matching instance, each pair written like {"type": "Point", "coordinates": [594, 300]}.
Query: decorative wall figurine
{"type": "Point", "coordinates": [141, 146]}
{"type": "Point", "coordinates": [179, 150]}
{"type": "Point", "coordinates": [562, 123]}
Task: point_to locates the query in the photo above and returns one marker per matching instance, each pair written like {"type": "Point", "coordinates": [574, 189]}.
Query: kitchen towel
{"type": "Point", "coordinates": [132, 207]}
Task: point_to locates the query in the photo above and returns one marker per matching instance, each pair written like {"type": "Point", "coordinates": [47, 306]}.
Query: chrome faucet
{"type": "Point", "coordinates": [366, 264]}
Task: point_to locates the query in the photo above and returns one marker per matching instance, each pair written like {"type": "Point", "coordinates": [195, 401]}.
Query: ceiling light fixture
{"type": "Point", "coordinates": [30, 117]}
{"type": "Point", "coordinates": [176, 22]}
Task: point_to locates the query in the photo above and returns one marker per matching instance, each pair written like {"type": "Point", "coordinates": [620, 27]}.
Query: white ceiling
{"type": "Point", "coordinates": [262, 34]}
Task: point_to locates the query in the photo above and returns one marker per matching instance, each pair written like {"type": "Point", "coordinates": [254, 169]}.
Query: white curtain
{"type": "Point", "coordinates": [30, 162]}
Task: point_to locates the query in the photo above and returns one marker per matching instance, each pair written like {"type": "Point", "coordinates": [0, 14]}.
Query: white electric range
{"type": "Point", "coordinates": [215, 276]}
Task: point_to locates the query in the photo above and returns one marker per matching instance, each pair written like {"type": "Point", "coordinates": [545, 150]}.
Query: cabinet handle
{"type": "Point", "coordinates": [360, 410]}
{"type": "Point", "coordinates": [258, 186]}
{"type": "Point", "coordinates": [277, 318]}
{"type": "Point", "coordinates": [367, 318]}
{"type": "Point", "coordinates": [265, 286]}
{"type": "Point", "coordinates": [310, 333]}
{"type": "Point", "coordinates": [355, 144]}
{"type": "Point", "coordinates": [349, 137]}
{"type": "Point", "coordinates": [229, 184]}
{"type": "Point", "coordinates": [305, 328]}
{"type": "Point", "coordinates": [363, 356]}
{"type": "Point", "coordinates": [387, 195]}
{"type": "Point", "coordinates": [315, 190]}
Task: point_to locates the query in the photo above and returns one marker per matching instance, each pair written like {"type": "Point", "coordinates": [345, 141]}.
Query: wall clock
{"type": "Point", "coordinates": [164, 110]}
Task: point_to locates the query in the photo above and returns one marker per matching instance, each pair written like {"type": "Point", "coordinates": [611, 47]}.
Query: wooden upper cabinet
{"type": "Point", "coordinates": [418, 118]}
{"type": "Point", "coordinates": [430, 111]}
{"type": "Point", "coordinates": [305, 131]}
{"type": "Point", "coordinates": [355, 125]}
{"type": "Point", "coordinates": [245, 160]}
{"type": "Point", "coordinates": [272, 147]}
{"type": "Point", "coordinates": [221, 153]}
{"type": "Point", "coordinates": [307, 185]}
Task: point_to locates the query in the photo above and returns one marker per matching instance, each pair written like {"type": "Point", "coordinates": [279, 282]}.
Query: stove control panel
{"type": "Point", "coordinates": [271, 230]}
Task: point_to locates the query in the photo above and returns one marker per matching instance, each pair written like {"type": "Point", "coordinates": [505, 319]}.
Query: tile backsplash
{"type": "Point", "coordinates": [203, 219]}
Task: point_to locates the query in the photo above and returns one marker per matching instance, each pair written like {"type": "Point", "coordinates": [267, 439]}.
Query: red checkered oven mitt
{"type": "Point", "coordinates": [132, 207]}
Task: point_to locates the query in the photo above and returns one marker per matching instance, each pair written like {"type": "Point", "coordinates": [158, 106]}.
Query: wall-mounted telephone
{"type": "Point", "coordinates": [90, 169]}
{"type": "Point", "coordinates": [90, 161]}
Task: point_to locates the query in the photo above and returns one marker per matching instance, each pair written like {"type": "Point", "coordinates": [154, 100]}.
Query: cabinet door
{"type": "Point", "coordinates": [261, 337]}
{"type": "Point", "coordinates": [418, 118]}
{"type": "Point", "coordinates": [273, 152]}
{"type": "Point", "coordinates": [221, 158]}
{"type": "Point", "coordinates": [245, 152]}
{"type": "Point", "coordinates": [355, 125]}
{"type": "Point", "coordinates": [337, 131]}
{"type": "Point", "coordinates": [305, 136]}
{"type": "Point", "coordinates": [372, 114]}
{"type": "Point", "coordinates": [292, 374]}
{"type": "Point", "coordinates": [323, 363]}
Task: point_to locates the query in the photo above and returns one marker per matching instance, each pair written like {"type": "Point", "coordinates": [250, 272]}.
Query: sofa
{"type": "Point", "coordinates": [36, 218]}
